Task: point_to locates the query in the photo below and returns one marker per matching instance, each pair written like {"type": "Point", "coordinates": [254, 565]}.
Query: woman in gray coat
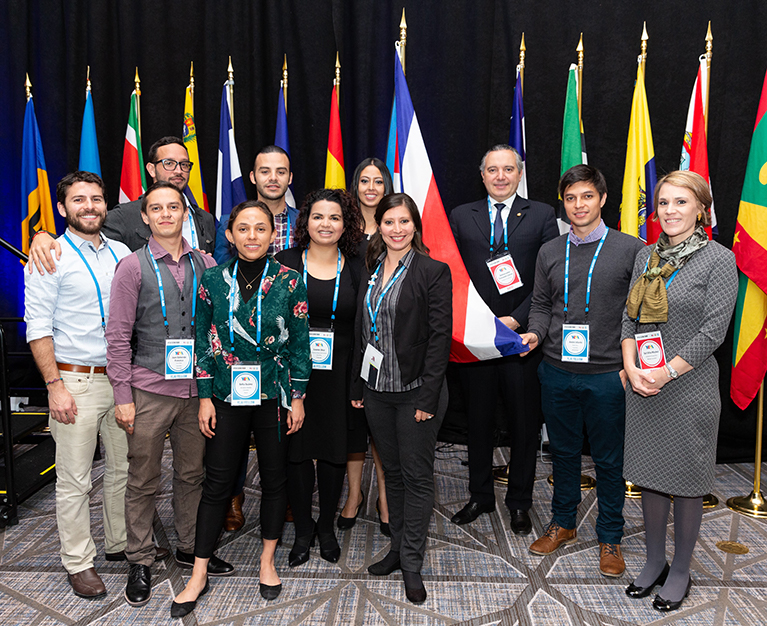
{"type": "Point", "coordinates": [684, 288]}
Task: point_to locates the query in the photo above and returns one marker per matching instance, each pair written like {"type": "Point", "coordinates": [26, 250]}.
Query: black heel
{"type": "Point", "coordinates": [632, 591]}
{"type": "Point", "coordinates": [659, 604]}
{"type": "Point", "coordinates": [182, 609]}
{"type": "Point", "coordinates": [345, 523]}
{"type": "Point", "coordinates": [299, 554]}
{"type": "Point", "coordinates": [329, 548]}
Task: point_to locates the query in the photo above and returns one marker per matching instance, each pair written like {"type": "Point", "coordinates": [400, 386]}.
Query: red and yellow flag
{"type": "Point", "coordinates": [749, 359]}
{"type": "Point", "coordinates": [335, 177]}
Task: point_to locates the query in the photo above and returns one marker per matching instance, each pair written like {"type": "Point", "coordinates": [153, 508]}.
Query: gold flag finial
{"type": "Point", "coordinates": [579, 50]}
{"type": "Point", "coordinates": [709, 36]}
{"type": "Point", "coordinates": [28, 87]}
{"type": "Point", "coordinates": [137, 82]}
{"type": "Point", "coordinates": [521, 64]}
{"type": "Point", "coordinates": [580, 44]}
{"type": "Point", "coordinates": [402, 40]}
{"type": "Point", "coordinates": [338, 70]}
{"type": "Point", "coordinates": [402, 22]}
{"type": "Point", "coordinates": [284, 81]}
{"type": "Point", "coordinates": [88, 78]}
{"type": "Point", "coordinates": [643, 56]}
{"type": "Point", "coordinates": [230, 69]}
{"type": "Point", "coordinates": [191, 76]}
{"type": "Point", "coordinates": [709, 56]}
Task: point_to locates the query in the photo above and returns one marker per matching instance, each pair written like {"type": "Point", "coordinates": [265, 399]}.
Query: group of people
{"type": "Point", "coordinates": [328, 328]}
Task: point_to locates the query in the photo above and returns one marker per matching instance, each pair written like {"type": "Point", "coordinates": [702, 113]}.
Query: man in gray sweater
{"type": "Point", "coordinates": [581, 283]}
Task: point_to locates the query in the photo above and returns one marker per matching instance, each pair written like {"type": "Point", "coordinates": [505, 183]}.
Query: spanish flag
{"type": "Point", "coordinates": [36, 204]}
{"type": "Point", "coordinates": [749, 359]}
{"type": "Point", "coordinates": [335, 177]}
{"type": "Point", "coordinates": [639, 177]}
{"type": "Point", "coordinates": [195, 185]}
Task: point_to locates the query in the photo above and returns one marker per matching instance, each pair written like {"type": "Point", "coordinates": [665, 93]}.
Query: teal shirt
{"type": "Point", "coordinates": [285, 359]}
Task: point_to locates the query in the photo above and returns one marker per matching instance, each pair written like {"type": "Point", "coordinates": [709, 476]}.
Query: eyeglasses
{"type": "Point", "coordinates": [170, 164]}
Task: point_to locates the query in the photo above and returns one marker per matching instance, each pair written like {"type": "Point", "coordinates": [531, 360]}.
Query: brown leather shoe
{"type": "Point", "coordinates": [611, 561]}
{"type": "Point", "coordinates": [552, 538]}
{"type": "Point", "coordinates": [234, 518]}
{"type": "Point", "coordinates": [87, 584]}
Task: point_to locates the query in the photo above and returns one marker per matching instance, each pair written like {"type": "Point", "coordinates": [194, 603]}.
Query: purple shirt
{"type": "Point", "coordinates": [594, 235]}
{"type": "Point", "coordinates": [126, 285]}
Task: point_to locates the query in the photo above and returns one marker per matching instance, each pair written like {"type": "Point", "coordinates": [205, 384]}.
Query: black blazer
{"type": "Point", "coordinates": [423, 328]}
{"type": "Point", "coordinates": [530, 225]}
{"type": "Point", "coordinates": [124, 224]}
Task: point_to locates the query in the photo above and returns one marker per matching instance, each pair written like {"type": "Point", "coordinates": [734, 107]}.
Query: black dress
{"type": "Point", "coordinates": [329, 413]}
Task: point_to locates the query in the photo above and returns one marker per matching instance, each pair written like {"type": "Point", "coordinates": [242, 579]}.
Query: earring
{"type": "Point", "coordinates": [699, 218]}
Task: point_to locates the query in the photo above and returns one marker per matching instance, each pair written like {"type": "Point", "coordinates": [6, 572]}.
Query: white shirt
{"type": "Point", "coordinates": [505, 210]}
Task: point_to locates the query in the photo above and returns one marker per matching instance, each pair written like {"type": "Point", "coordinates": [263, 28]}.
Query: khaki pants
{"type": "Point", "coordinates": [156, 415]}
{"type": "Point", "coordinates": [75, 446]}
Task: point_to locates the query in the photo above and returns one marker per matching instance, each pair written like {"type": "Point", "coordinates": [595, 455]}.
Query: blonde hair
{"type": "Point", "coordinates": [696, 184]}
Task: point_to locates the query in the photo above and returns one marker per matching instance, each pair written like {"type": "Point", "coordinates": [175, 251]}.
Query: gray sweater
{"type": "Point", "coordinates": [609, 289]}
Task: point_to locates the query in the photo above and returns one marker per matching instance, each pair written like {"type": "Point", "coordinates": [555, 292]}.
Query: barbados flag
{"type": "Point", "coordinates": [195, 187]}
{"type": "Point", "coordinates": [517, 133]}
{"type": "Point", "coordinates": [36, 204]}
{"type": "Point", "coordinates": [335, 176]}
{"type": "Point", "coordinates": [477, 333]}
{"type": "Point", "coordinates": [749, 359]}
{"type": "Point", "coordinates": [639, 176]}
{"type": "Point", "coordinates": [89, 147]}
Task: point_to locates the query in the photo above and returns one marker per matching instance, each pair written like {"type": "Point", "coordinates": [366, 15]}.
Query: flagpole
{"type": "Point", "coordinates": [521, 65]}
{"type": "Point", "coordinates": [402, 40]}
{"type": "Point", "coordinates": [191, 84]}
{"type": "Point", "coordinates": [137, 83]}
{"type": "Point", "coordinates": [87, 80]}
{"type": "Point", "coordinates": [643, 55]}
{"type": "Point", "coordinates": [579, 50]}
{"type": "Point", "coordinates": [337, 81]}
{"type": "Point", "coordinates": [284, 82]}
{"type": "Point", "coordinates": [230, 87]}
{"type": "Point", "coordinates": [28, 87]}
{"type": "Point", "coordinates": [709, 55]}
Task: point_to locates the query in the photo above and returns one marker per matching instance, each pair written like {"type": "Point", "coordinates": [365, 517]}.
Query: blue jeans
{"type": "Point", "coordinates": [597, 400]}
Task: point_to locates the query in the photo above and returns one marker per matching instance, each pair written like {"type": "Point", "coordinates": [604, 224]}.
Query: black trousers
{"type": "Point", "coordinates": [223, 455]}
{"type": "Point", "coordinates": [516, 380]}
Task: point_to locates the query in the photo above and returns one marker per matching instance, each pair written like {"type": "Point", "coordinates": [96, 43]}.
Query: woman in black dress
{"type": "Point", "coordinates": [328, 231]}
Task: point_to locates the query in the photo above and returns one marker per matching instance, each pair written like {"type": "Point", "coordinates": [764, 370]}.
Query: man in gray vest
{"type": "Point", "coordinates": [153, 299]}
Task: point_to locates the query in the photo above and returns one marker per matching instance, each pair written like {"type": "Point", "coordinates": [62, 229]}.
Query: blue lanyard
{"type": "Point", "coordinates": [162, 291]}
{"type": "Point", "coordinates": [195, 243]}
{"type": "Point", "coordinates": [93, 276]}
{"type": "Point", "coordinates": [670, 278]}
{"type": "Point", "coordinates": [591, 272]}
{"type": "Point", "coordinates": [492, 229]}
{"type": "Point", "coordinates": [371, 282]}
{"type": "Point", "coordinates": [287, 234]}
{"type": "Point", "coordinates": [335, 292]}
{"type": "Point", "coordinates": [232, 293]}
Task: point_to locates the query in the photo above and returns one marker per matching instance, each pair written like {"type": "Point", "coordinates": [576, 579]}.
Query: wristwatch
{"type": "Point", "coordinates": [672, 372]}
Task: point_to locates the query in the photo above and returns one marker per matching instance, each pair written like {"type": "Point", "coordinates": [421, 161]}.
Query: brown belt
{"type": "Point", "coordinates": [83, 369]}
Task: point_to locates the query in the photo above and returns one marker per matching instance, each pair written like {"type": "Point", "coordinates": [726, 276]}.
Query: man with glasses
{"type": "Point", "coordinates": [168, 162]}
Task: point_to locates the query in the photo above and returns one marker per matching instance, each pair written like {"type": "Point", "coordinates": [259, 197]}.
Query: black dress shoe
{"type": "Point", "coordinates": [520, 522]}
{"type": "Point", "coordinates": [269, 592]}
{"type": "Point", "coordinates": [329, 548]}
{"type": "Point", "coordinates": [471, 512]}
{"type": "Point", "coordinates": [138, 591]}
{"type": "Point", "coordinates": [345, 523]}
{"type": "Point", "coordinates": [182, 609]}
{"type": "Point", "coordinates": [659, 604]}
{"type": "Point", "coordinates": [216, 566]}
{"type": "Point", "coordinates": [414, 589]}
{"type": "Point", "coordinates": [385, 566]}
{"type": "Point", "coordinates": [160, 555]}
{"type": "Point", "coordinates": [632, 591]}
{"type": "Point", "coordinates": [299, 554]}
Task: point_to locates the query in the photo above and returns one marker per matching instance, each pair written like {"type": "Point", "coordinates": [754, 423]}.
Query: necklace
{"type": "Point", "coordinates": [249, 285]}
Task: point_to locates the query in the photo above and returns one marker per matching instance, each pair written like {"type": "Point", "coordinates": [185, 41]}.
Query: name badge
{"type": "Point", "coordinates": [246, 384]}
{"type": "Point", "coordinates": [321, 349]}
{"type": "Point", "coordinates": [650, 350]}
{"type": "Point", "coordinates": [504, 273]}
{"type": "Point", "coordinates": [371, 364]}
{"type": "Point", "coordinates": [179, 358]}
{"type": "Point", "coordinates": [575, 343]}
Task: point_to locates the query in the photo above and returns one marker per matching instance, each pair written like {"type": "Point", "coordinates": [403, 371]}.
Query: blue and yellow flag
{"type": "Point", "coordinates": [36, 205]}
{"type": "Point", "coordinates": [639, 177]}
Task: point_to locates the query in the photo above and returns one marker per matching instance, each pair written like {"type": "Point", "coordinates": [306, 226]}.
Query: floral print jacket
{"type": "Point", "coordinates": [285, 359]}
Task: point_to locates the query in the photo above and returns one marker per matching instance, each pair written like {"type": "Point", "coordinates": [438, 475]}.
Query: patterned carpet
{"type": "Point", "coordinates": [480, 574]}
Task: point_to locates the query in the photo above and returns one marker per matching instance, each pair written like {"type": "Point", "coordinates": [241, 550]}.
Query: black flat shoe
{"type": "Point", "coordinates": [414, 589]}
{"type": "Point", "coordinates": [632, 591]}
{"type": "Point", "coordinates": [185, 608]}
{"type": "Point", "coordinates": [659, 604]}
{"type": "Point", "coordinates": [385, 530]}
{"type": "Point", "coordinates": [385, 566]}
{"type": "Point", "coordinates": [269, 592]}
{"type": "Point", "coordinates": [329, 548]}
{"type": "Point", "coordinates": [299, 554]}
{"type": "Point", "coordinates": [216, 566]}
{"type": "Point", "coordinates": [345, 523]}
{"type": "Point", "coordinates": [471, 512]}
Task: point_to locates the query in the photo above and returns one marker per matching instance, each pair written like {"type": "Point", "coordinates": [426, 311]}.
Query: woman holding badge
{"type": "Point", "coordinates": [253, 366]}
{"type": "Point", "coordinates": [677, 314]}
{"type": "Point", "coordinates": [328, 232]}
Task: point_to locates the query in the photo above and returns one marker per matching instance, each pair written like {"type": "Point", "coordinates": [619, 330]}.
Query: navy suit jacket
{"type": "Point", "coordinates": [530, 224]}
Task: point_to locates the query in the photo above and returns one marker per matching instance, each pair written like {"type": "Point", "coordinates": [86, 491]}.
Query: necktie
{"type": "Point", "coordinates": [498, 224]}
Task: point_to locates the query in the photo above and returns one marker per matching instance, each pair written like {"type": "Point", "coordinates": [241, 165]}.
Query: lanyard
{"type": "Point", "coordinates": [371, 282]}
{"type": "Point", "coordinates": [335, 292]}
{"type": "Point", "coordinates": [93, 276]}
{"type": "Point", "coordinates": [591, 272]}
{"type": "Point", "coordinates": [162, 291]}
{"type": "Point", "coordinates": [287, 234]}
{"type": "Point", "coordinates": [195, 242]}
{"type": "Point", "coordinates": [492, 229]}
{"type": "Point", "coordinates": [232, 293]}
{"type": "Point", "coordinates": [670, 278]}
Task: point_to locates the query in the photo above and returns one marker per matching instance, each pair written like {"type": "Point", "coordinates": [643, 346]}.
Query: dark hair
{"type": "Point", "coordinates": [271, 150]}
{"type": "Point", "coordinates": [385, 174]}
{"type": "Point", "coordinates": [160, 185]}
{"type": "Point", "coordinates": [583, 174]}
{"type": "Point", "coordinates": [250, 204]}
{"type": "Point", "coordinates": [693, 182]}
{"type": "Point", "coordinates": [165, 141]}
{"type": "Point", "coordinates": [377, 247]}
{"type": "Point", "coordinates": [78, 177]}
{"type": "Point", "coordinates": [352, 217]}
{"type": "Point", "coordinates": [499, 147]}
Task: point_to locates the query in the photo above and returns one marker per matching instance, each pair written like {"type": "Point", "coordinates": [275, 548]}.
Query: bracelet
{"type": "Point", "coordinates": [36, 233]}
{"type": "Point", "coordinates": [55, 380]}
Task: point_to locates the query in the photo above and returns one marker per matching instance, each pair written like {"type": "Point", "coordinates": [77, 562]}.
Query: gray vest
{"type": "Point", "coordinates": [149, 328]}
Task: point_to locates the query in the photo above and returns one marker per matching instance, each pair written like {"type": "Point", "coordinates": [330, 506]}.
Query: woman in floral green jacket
{"type": "Point", "coordinates": [251, 312]}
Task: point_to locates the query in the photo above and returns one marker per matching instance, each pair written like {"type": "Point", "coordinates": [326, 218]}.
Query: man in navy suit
{"type": "Point", "coordinates": [502, 224]}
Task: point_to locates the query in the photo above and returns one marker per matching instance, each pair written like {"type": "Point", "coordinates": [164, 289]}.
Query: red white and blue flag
{"type": "Point", "coordinates": [477, 334]}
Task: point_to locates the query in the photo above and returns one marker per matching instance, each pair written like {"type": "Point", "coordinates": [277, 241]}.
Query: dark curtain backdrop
{"type": "Point", "coordinates": [461, 58]}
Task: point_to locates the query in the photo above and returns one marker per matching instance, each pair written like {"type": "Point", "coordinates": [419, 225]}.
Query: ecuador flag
{"type": "Point", "coordinates": [749, 359]}
{"type": "Point", "coordinates": [36, 205]}
{"type": "Point", "coordinates": [335, 177]}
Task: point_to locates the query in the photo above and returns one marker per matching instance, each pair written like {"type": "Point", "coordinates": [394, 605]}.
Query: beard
{"type": "Point", "coordinates": [87, 227]}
